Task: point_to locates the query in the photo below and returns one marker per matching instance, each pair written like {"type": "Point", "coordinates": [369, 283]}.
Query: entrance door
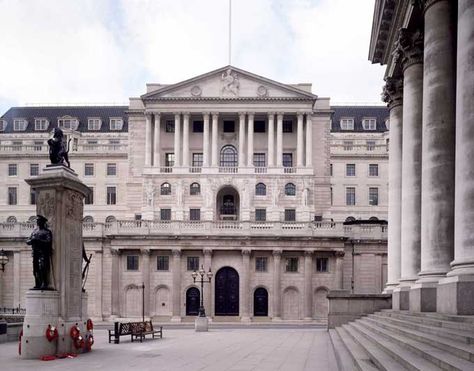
{"type": "Point", "coordinates": [192, 301]}
{"type": "Point", "coordinates": [227, 292]}
{"type": "Point", "coordinates": [260, 302]}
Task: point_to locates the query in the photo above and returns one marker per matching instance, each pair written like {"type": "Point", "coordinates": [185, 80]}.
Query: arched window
{"type": "Point", "coordinates": [260, 189]}
{"type": "Point", "coordinates": [11, 219]}
{"type": "Point", "coordinates": [350, 219]}
{"type": "Point", "coordinates": [110, 219]}
{"type": "Point", "coordinates": [290, 189]}
{"type": "Point", "coordinates": [373, 218]}
{"type": "Point", "coordinates": [229, 157]}
{"type": "Point", "coordinates": [165, 189]}
{"type": "Point", "coordinates": [195, 189]}
{"type": "Point", "coordinates": [88, 219]}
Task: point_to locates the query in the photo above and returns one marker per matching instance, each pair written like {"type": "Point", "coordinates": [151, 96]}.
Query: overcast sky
{"type": "Point", "coordinates": [98, 51]}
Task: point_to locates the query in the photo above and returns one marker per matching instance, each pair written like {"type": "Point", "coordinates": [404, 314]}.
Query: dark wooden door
{"type": "Point", "coordinates": [227, 292]}
{"type": "Point", "coordinates": [192, 301]}
{"type": "Point", "coordinates": [260, 302]}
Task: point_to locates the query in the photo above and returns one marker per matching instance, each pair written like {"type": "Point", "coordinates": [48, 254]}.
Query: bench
{"type": "Point", "coordinates": [136, 330]}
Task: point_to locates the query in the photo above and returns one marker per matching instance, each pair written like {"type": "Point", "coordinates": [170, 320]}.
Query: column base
{"type": "Point", "coordinates": [389, 287]}
{"type": "Point", "coordinates": [401, 298]}
{"type": "Point", "coordinates": [456, 295]}
{"type": "Point", "coordinates": [422, 297]}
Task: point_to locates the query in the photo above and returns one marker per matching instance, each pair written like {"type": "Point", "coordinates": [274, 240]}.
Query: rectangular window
{"type": "Point", "coordinates": [194, 214]}
{"type": "Point", "coordinates": [88, 169]}
{"type": "Point", "coordinates": [34, 169]}
{"type": "Point", "coordinates": [198, 126]}
{"type": "Point", "coordinates": [370, 145]}
{"type": "Point", "coordinates": [348, 145]}
{"type": "Point", "coordinates": [373, 196]}
{"type": "Point", "coordinates": [68, 124]}
{"type": "Point", "coordinates": [169, 159]}
{"type": "Point", "coordinates": [162, 263]}
{"type": "Point", "coordinates": [197, 159]}
{"type": "Point", "coordinates": [287, 126]}
{"type": "Point", "coordinates": [12, 169]}
{"type": "Point", "coordinates": [111, 195]}
{"type": "Point", "coordinates": [373, 170]}
{"type": "Point", "coordinates": [261, 264]}
{"type": "Point", "coordinates": [259, 126]}
{"type": "Point", "coordinates": [41, 124]}
{"type": "Point", "coordinates": [193, 263]}
{"type": "Point", "coordinates": [169, 126]}
{"type": "Point", "coordinates": [116, 123]}
{"type": "Point", "coordinates": [12, 196]}
{"type": "Point", "coordinates": [89, 199]}
{"type": "Point", "coordinates": [93, 124]}
{"type": "Point", "coordinates": [369, 124]}
{"type": "Point", "coordinates": [229, 126]}
{"type": "Point", "coordinates": [165, 214]}
{"type": "Point", "coordinates": [347, 124]}
{"type": "Point", "coordinates": [322, 264]}
{"type": "Point", "coordinates": [19, 124]}
{"type": "Point", "coordinates": [38, 145]}
{"type": "Point", "coordinates": [287, 159]}
{"type": "Point", "coordinates": [290, 215]}
{"type": "Point", "coordinates": [32, 198]}
{"type": "Point", "coordinates": [259, 160]}
{"type": "Point", "coordinates": [350, 196]}
{"type": "Point", "coordinates": [350, 170]}
{"type": "Point", "coordinates": [291, 265]}
{"type": "Point", "coordinates": [132, 262]}
{"type": "Point", "coordinates": [260, 215]}
{"type": "Point", "coordinates": [111, 169]}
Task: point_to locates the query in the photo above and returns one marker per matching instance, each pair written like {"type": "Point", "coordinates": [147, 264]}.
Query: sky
{"type": "Point", "coordinates": [105, 51]}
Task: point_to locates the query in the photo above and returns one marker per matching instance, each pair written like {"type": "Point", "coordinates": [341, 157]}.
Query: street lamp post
{"type": "Point", "coordinates": [3, 260]}
{"type": "Point", "coordinates": [202, 273]}
{"type": "Point", "coordinates": [143, 301]}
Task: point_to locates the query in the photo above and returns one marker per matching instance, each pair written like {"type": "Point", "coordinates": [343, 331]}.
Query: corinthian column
{"type": "Point", "coordinates": [215, 117]}
{"type": "Point", "coordinates": [156, 141]}
{"type": "Point", "coordinates": [177, 139]}
{"type": "Point", "coordinates": [392, 95]}
{"type": "Point", "coordinates": [299, 141]}
{"type": "Point", "coordinates": [176, 286]}
{"type": "Point", "coordinates": [271, 139]}
{"type": "Point", "coordinates": [455, 291]}
{"type": "Point", "coordinates": [241, 139]}
{"type": "Point", "coordinates": [205, 140]}
{"type": "Point", "coordinates": [148, 139]}
{"type": "Point", "coordinates": [276, 285]}
{"type": "Point", "coordinates": [309, 140]}
{"type": "Point", "coordinates": [279, 160]}
{"type": "Point", "coordinates": [186, 139]}
{"type": "Point", "coordinates": [250, 140]}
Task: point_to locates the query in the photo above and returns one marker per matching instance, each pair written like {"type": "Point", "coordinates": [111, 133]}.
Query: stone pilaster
{"type": "Point", "coordinates": [339, 270]}
{"type": "Point", "coordinates": [208, 290]}
{"type": "Point", "coordinates": [245, 303]}
{"type": "Point", "coordinates": [205, 140]}
{"type": "Point", "coordinates": [98, 257]}
{"type": "Point", "coordinates": [148, 118]}
{"type": "Point", "coordinates": [309, 140]}
{"type": "Point", "coordinates": [276, 285]}
{"type": "Point", "coordinates": [279, 160]}
{"type": "Point", "coordinates": [250, 139]}
{"type": "Point", "coordinates": [176, 288]}
{"type": "Point", "coordinates": [271, 139]}
{"type": "Point", "coordinates": [156, 141]}
{"type": "Point", "coordinates": [241, 139]}
{"type": "Point", "coordinates": [215, 117]}
{"type": "Point", "coordinates": [177, 140]}
{"type": "Point", "coordinates": [115, 290]}
{"type": "Point", "coordinates": [186, 139]}
{"type": "Point", "coordinates": [308, 285]}
{"type": "Point", "coordinates": [299, 141]}
{"type": "Point", "coordinates": [146, 280]}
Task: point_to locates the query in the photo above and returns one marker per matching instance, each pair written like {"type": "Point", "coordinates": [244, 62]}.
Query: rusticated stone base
{"type": "Point", "coordinates": [423, 297]}
{"type": "Point", "coordinates": [401, 298]}
{"type": "Point", "coordinates": [456, 295]}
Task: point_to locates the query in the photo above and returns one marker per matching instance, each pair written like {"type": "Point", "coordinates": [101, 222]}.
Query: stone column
{"type": "Point", "coordinates": [241, 139]}
{"type": "Point", "coordinates": [156, 141]}
{"type": "Point", "coordinates": [186, 139]}
{"type": "Point", "coordinates": [271, 139]}
{"type": "Point", "coordinates": [16, 279]}
{"type": "Point", "coordinates": [276, 285]}
{"type": "Point", "coordinates": [98, 284]}
{"type": "Point", "coordinates": [146, 280]}
{"type": "Point", "coordinates": [339, 270]}
{"type": "Point", "coordinates": [455, 291]}
{"type": "Point", "coordinates": [176, 290]}
{"type": "Point", "coordinates": [309, 140]}
{"type": "Point", "coordinates": [245, 305]}
{"type": "Point", "coordinates": [205, 140]}
{"type": "Point", "coordinates": [299, 141]}
{"type": "Point", "coordinates": [279, 159]}
{"type": "Point", "coordinates": [308, 285]}
{"type": "Point", "coordinates": [215, 117]}
{"type": "Point", "coordinates": [115, 276]}
{"type": "Point", "coordinates": [177, 140]}
{"type": "Point", "coordinates": [392, 95]}
{"type": "Point", "coordinates": [148, 139]}
{"type": "Point", "coordinates": [250, 140]}
{"type": "Point", "coordinates": [439, 99]}
{"type": "Point", "coordinates": [208, 289]}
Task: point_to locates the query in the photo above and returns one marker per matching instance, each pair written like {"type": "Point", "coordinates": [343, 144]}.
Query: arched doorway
{"type": "Point", "coordinates": [228, 204]}
{"type": "Point", "coordinates": [291, 303]}
{"type": "Point", "coordinates": [192, 301]}
{"type": "Point", "coordinates": [227, 292]}
{"type": "Point", "coordinates": [260, 302]}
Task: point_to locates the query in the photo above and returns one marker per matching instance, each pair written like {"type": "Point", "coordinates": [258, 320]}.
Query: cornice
{"type": "Point", "coordinates": [228, 100]}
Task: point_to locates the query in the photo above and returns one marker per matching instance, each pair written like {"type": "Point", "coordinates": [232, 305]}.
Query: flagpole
{"type": "Point", "coordinates": [230, 32]}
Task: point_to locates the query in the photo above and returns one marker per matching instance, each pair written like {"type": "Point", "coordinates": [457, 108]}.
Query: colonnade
{"type": "Point", "coordinates": [431, 196]}
{"type": "Point", "coordinates": [210, 120]}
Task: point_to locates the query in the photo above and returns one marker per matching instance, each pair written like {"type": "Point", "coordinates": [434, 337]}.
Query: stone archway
{"type": "Point", "coordinates": [162, 301]}
{"type": "Point", "coordinates": [320, 303]}
{"type": "Point", "coordinates": [133, 302]}
{"type": "Point", "coordinates": [291, 303]}
{"type": "Point", "coordinates": [226, 298]}
{"type": "Point", "coordinates": [260, 302]}
{"type": "Point", "coordinates": [192, 301]}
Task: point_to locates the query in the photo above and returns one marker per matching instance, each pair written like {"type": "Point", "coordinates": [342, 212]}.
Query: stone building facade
{"type": "Point", "coordinates": [228, 171]}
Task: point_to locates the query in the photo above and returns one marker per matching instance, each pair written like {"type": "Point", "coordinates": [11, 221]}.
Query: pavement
{"type": "Point", "coordinates": [220, 349]}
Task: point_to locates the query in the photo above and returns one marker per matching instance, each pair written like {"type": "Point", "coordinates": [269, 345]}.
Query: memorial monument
{"type": "Point", "coordinates": [56, 319]}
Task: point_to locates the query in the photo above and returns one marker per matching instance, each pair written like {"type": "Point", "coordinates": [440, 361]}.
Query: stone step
{"type": "Point", "coordinates": [383, 360]}
{"type": "Point", "coordinates": [438, 357]}
{"type": "Point", "coordinates": [455, 347]}
{"type": "Point", "coordinates": [439, 316]}
{"type": "Point", "coordinates": [428, 320]}
{"type": "Point", "coordinates": [463, 336]}
{"type": "Point", "coordinates": [344, 359]}
{"type": "Point", "coordinates": [359, 357]}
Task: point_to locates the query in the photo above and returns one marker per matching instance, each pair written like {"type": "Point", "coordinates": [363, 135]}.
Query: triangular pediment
{"type": "Point", "coordinates": [229, 83]}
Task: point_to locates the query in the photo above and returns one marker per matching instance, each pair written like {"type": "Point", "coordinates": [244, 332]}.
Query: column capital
{"type": "Point", "coordinates": [115, 251]}
{"type": "Point", "coordinates": [215, 114]}
{"type": "Point", "coordinates": [280, 115]}
{"type": "Point", "coordinates": [176, 252]}
{"type": "Point", "coordinates": [146, 252]}
{"type": "Point", "coordinates": [207, 252]}
{"type": "Point", "coordinates": [393, 92]}
{"type": "Point", "coordinates": [177, 115]}
{"type": "Point", "coordinates": [242, 114]}
{"type": "Point", "coordinates": [308, 113]}
{"type": "Point", "coordinates": [246, 252]}
{"type": "Point", "coordinates": [148, 114]}
{"type": "Point", "coordinates": [271, 113]}
{"type": "Point", "coordinates": [300, 115]}
{"type": "Point", "coordinates": [251, 114]}
{"type": "Point", "coordinates": [339, 254]}
{"type": "Point", "coordinates": [156, 114]}
{"type": "Point", "coordinates": [277, 252]}
{"type": "Point", "coordinates": [308, 253]}
{"type": "Point", "coordinates": [205, 115]}
{"type": "Point", "coordinates": [408, 48]}
{"type": "Point", "coordinates": [186, 115]}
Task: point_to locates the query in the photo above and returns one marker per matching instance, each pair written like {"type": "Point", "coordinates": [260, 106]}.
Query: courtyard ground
{"type": "Point", "coordinates": [235, 349]}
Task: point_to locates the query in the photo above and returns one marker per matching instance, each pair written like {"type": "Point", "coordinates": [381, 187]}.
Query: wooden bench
{"type": "Point", "coordinates": [120, 329]}
{"type": "Point", "coordinates": [136, 330]}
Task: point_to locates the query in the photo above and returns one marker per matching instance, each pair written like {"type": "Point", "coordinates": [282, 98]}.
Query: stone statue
{"type": "Point", "coordinates": [230, 83]}
{"type": "Point", "coordinates": [304, 197]}
{"type": "Point", "coordinates": [58, 154]}
{"type": "Point", "coordinates": [41, 241]}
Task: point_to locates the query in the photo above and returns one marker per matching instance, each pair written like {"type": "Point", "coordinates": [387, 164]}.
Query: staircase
{"type": "Point", "coordinates": [401, 340]}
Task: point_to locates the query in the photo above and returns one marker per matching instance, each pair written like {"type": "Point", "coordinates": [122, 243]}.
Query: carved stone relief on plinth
{"type": "Point", "coordinates": [47, 205]}
{"type": "Point", "coordinates": [74, 205]}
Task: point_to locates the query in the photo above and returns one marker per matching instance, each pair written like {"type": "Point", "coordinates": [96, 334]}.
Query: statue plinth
{"type": "Point", "coordinates": [59, 198]}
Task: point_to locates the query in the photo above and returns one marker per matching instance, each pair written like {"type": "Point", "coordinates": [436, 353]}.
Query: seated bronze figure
{"type": "Point", "coordinates": [58, 153]}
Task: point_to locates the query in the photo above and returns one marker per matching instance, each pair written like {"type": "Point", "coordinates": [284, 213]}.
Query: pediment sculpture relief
{"type": "Point", "coordinates": [230, 83]}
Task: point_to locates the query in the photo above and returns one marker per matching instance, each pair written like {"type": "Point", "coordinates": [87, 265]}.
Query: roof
{"type": "Point", "coordinates": [82, 113]}
{"type": "Point", "coordinates": [358, 113]}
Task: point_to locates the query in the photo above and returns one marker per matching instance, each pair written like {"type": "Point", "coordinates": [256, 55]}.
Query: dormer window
{"type": "Point", "coordinates": [94, 123]}
{"type": "Point", "coordinates": [68, 122]}
{"type": "Point", "coordinates": [116, 123]}
{"type": "Point", "coordinates": [41, 124]}
{"type": "Point", "coordinates": [369, 124]}
{"type": "Point", "coordinates": [19, 124]}
{"type": "Point", "coordinates": [347, 124]}
{"type": "Point", "coordinates": [3, 125]}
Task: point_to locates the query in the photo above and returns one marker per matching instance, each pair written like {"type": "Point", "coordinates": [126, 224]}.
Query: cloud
{"type": "Point", "coordinates": [58, 51]}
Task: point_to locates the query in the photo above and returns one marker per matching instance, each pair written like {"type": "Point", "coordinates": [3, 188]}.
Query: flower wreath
{"type": "Point", "coordinates": [51, 333]}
